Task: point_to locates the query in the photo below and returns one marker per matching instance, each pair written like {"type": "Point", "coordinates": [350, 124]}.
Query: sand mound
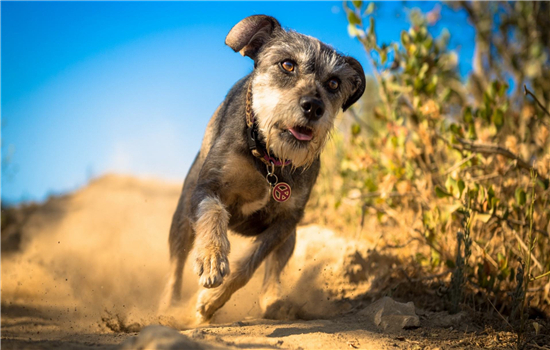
{"type": "Point", "coordinates": [97, 259]}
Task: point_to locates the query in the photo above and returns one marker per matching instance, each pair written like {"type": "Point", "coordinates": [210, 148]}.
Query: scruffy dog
{"type": "Point", "coordinates": [259, 160]}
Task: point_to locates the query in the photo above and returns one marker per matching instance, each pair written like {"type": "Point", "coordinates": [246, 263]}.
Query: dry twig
{"type": "Point", "coordinates": [483, 148]}
{"type": "Point", "coordinates": [527, 92]}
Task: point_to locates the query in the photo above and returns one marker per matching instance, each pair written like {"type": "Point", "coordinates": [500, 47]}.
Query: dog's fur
{"type": "Point", "coordinates": [226, 188]}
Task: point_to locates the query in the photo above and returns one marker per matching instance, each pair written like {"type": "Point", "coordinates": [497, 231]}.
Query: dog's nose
{"type": "Point", "coordinates": [313, 108]}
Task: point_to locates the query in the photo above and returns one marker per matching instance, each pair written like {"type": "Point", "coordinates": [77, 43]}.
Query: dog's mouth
{"type": "Point", "coordinates": [301, 133]}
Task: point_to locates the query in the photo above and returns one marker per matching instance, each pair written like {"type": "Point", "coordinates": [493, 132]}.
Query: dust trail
{"type": "Point", "coordinates": [101, 248]}
{"type": "Point", "coordinates": [98, 260]}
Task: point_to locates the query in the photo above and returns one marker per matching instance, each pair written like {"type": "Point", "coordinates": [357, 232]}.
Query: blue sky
{"type": "Point", "coordinates": [95, 87]}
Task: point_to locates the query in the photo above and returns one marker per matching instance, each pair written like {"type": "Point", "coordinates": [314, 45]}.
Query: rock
{"type": "Point", "coordinates": [160, 338]}
{"type": "Point", "coordinates": [444, 320]}
{"type": "Point", "coordinates": [397, 322]}
{"type": "Point", "coordinates": [390, 315]}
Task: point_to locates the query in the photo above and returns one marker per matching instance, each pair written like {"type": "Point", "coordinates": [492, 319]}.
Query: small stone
{"type": "Point", "coordinates": [390, 315]}
{"type": "Point", "coordinates": [160, 338]}
{"type": "Point", "coordinates": [197, 334]}
{"type": "Point", "coordinates": [444, 320]}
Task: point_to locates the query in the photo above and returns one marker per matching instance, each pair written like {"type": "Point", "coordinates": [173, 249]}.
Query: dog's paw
{"type": "Point", "coordinates": [207, 305]}
{"type": "Point", "coordinates": [203, 316]}
{"type": "Point", "coordinates": [282, 310]}
{"type": "Point", "coordinates": [271, 294]}
{"type": "Point", "coordinates": [212, 267]}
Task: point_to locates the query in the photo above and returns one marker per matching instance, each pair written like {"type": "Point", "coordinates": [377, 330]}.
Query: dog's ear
{"type": "Point", "coordinates": [359, 82]}
{"type": "Point", "coordinates": [248, 36]}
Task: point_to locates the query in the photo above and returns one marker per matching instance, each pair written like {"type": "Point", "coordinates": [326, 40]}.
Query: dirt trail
{"type": "Point", "coordinates": [87, 270]}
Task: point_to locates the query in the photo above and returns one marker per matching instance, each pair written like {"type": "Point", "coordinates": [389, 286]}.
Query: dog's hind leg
{"type": "Point", "coordinates": [274, 265]}
{"type": "Point", "coordinates": [210, 300]}
{"type": "Point", "coordinates": [181, 241]}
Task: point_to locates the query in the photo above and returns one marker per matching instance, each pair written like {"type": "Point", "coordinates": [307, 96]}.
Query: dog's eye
{"type": "Point", "coordinates": [333, 84]}
{"type": "Point", "coordinates": [288, 65]}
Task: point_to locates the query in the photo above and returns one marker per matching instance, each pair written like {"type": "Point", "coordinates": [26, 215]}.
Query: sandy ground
{"type": "Point", "coordinates": [87, 271]}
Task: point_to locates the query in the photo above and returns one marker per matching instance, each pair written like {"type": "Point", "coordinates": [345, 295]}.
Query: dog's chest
{"type": "Point", "coordinates": [248, 208]}
{"type": "Point", "coordinates": [246, 190]}
{"type": "Point", "coordinates": [244, 187]}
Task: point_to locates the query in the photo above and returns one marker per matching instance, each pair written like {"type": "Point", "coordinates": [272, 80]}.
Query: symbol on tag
{"type": "Point", "coordinates": [281, 192]}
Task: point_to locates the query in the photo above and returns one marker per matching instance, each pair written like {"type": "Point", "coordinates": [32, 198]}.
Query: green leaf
{"type": "Point", "coordinates": [450, 184]}
{"type": "Point", "coordinates": [428, 43]}
{"type": "Point", "coordinates": [353, 18]}
{"type": "Point", "coordinates": [355, 129]}
{"type": "Point", "coordinates": [370, 9]}
{"type": "Point", "coordinates": [441, 193]}
{"type": "Point", "coordinates": [357, 3]}
{"type": "Point", "coordinates": [487, 99]}
{"type": "Point", "coordinates": [472, 135]}
{"type": "Point", "coordinates": [423, 32]}
{"type": "Point", "coordinates": [450, 263]}
{"type": "Point", "coordinates": [405, 38]}
{"type": "Point", "coordinates": [494, 202]}
{"type": "Point", "coordinates": [468, 116]}
{"type": "Point", "coordinates": [456, 129]}
{"type": "Point", "coordinates": [423, 70]}
{"type": "Point", "coordinates": [491, 91]}
{"type": "Point", "coordinates": [491, 192]}
{"type": "Point", "coordinates": [383, 57]}
{"type": "Point", "coordinates": [461, 185]}
{"type": "Point", "coordinates": [498, 118]}
{"type": "Point", "coordinates": [446, 94]}
{"type": "Point", "coordinates": [543, 183]}
{"type": "Point", "coordinates": [502, 89]}
{"type": "Point", "coordinates": [521, 196]}
{"type": "Point", "coordinates": [505, 106]}
{"type": "Point", "coordinates": [506, 213]}
{"type": "Point", "coordinates": [482, 113]}
{"type": "Point", "coordinates": [371, 27]}
{"type": "Point", "coordinates": [472, 193]}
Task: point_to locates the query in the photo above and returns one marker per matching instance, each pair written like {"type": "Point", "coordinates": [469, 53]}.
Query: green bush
{"type": "Point", "coordinates": [462, 166]}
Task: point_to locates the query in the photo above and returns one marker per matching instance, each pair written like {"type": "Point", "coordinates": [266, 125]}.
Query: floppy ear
{"type": "Point", "coordinates": [248, 36]}
{"type": "Point", "coordinates": [359, 82]}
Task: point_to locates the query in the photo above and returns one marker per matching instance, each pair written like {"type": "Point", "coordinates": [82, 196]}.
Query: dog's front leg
{"type": "Point", "coordinates": [210, 300]}
{"type": "Point", "coordinates": [211, 242]}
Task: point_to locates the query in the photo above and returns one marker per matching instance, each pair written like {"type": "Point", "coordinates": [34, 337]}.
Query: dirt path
{"type": "Point", "coordinates": [87, 270]}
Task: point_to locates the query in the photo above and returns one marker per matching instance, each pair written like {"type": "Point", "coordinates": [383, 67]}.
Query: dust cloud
{"type": "Point", "coordinates": [97, 261]}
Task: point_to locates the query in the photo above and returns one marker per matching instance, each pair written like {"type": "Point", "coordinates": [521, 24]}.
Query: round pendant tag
{"type": "Point", "coordinates": [281, 192]}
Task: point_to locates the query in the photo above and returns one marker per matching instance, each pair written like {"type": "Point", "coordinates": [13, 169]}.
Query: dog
{"type": "Point", "coordinates": [259, 160]}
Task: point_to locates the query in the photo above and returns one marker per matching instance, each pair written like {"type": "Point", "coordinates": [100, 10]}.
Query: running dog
{"type": "Point", "coordinates": [259, 160]}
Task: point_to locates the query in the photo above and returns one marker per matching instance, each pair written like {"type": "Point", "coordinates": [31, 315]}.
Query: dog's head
{"type": "Point", "coordinates": [298, 86]}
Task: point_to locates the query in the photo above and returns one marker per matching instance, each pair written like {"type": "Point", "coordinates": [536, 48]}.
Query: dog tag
{"type": "Point", "coordinates": [281, 192]}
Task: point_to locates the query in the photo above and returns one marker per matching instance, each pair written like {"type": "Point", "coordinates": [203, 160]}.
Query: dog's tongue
{"type": "Point", "coordinates": [302, 134]}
